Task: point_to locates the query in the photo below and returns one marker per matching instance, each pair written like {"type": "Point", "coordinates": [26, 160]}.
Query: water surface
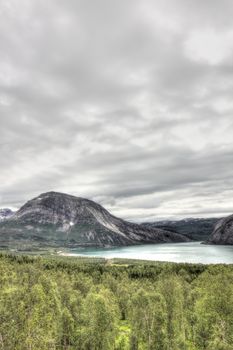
{"type": "Point", "coordinates": [191, 252]}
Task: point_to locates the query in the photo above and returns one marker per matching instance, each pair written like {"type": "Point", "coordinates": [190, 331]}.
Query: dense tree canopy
{"type": "Point", "coordinates": [93, 304]}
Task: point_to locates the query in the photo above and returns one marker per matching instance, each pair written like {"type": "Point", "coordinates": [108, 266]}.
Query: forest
{"type": "Point", "coordinates": [63, 303]}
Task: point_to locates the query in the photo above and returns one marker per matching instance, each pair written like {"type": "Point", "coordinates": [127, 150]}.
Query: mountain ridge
{"type": "Point", "coordinates": [198, 229]}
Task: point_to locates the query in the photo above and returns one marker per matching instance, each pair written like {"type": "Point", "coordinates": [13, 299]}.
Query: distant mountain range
{"type": "Point", "coordinates": [211, 231]}
{"type": "Point", "coordinates": [196, 229]}
{"type": "Point", "coordinates": [5, 213]}
{"type": "Point", "coordinates": [57, 219]}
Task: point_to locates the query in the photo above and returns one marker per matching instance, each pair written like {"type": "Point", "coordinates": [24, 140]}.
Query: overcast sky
{"type": "Point", "coordinates": [129, 103]}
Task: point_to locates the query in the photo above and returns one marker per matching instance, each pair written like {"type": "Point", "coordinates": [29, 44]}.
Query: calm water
{"type": "Point", "coordinates": [193, 252]}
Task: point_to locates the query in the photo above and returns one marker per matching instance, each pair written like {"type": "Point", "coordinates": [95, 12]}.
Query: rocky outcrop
{"type": "Point", "coordinates": [74, 221]}
{"type": "Point", "coordinates": [223, 232]}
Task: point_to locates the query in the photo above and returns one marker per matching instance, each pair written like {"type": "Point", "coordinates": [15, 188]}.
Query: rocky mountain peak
{"type": "Point", "coordinates": [75, 221]}
{"type": "Point", "coordinates": [58, 208]}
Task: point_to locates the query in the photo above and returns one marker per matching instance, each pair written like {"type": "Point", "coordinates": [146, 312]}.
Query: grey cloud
{"type": "Point", "coordinates": [100, 99]}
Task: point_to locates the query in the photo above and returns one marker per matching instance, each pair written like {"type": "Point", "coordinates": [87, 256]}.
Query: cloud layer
{"type": "Point", "coordinates": [127, 103]}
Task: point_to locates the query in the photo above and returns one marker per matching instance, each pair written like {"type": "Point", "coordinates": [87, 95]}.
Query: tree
{"type": "Point", "coordinates": [213, 310]}
{"type": "Point", "coordinates": [30, 318]}
{"type": "Point", "coordinates": [100, 314]}
{"type": "Point", "coordinates": [172, 288]}
{"type": "Point", "coordinates": [148, 320]}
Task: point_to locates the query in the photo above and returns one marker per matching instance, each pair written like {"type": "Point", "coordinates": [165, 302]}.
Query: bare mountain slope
{"type": "Point", "coordinates": [73, 221]}
{"type": "Point", "coordinates": [223, 232]}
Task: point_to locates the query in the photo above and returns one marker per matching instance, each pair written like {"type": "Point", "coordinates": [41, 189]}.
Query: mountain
{"type": "Point", "coordinates": [63, 220]}
{"type": "Point", "coordinates": [5, 213]}
{"type": "Point", "coordinates": [223, 232]}
{"type": "Point", "coordinates": [197, 229]}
